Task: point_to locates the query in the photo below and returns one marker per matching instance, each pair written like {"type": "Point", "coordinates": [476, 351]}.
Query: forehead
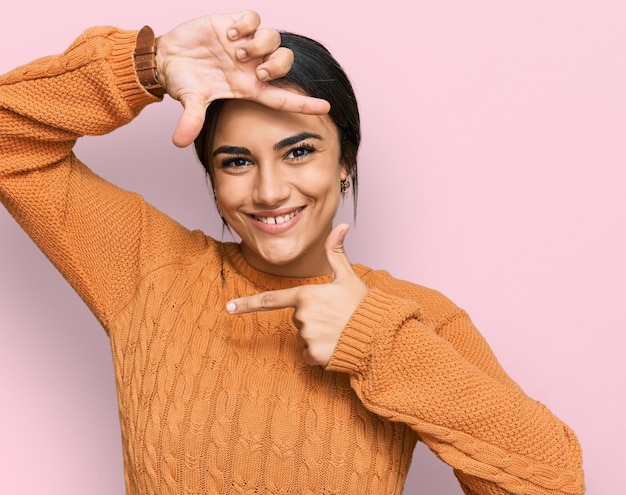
{"type": "Point", "coordinates": [244, 120]}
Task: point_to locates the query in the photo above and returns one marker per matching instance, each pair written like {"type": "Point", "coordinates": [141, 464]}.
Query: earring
{"type": "Point", "coordinates": [344, 185]}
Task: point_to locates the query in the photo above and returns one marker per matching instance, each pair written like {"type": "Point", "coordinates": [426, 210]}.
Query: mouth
{"type": "Point", "coordinates": [278, 219]}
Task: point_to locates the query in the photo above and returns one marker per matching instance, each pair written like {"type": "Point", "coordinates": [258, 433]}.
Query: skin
{"type": "Point", "coordinates": [268, 164]}
{"type": "Point", "coordinates": [321, 311]}
{"type": "Point", "coordinates": [225, 56]}
{"type": "Point", "coordinates": [229, 57]}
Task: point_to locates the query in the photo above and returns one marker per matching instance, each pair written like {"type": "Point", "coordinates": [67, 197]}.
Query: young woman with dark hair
{"type": "Point", "coordinates": [271, 365]}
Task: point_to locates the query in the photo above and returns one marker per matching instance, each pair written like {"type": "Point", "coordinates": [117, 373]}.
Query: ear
{"type": "Point", "coordinates": [345, 170]}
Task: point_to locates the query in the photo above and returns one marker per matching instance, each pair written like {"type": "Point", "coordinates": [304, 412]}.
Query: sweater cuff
{"type": "Point", "coordinates": [122, 61]}
{"type": "Point", "coordinates": [352, 350]}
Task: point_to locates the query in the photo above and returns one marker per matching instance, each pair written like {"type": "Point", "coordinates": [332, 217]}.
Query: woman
{"type": "Point", "coordinates": [273, 365]}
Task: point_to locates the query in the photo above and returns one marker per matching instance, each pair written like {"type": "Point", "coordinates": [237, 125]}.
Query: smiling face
{"type": "Point", "coordinates": [277, 183]}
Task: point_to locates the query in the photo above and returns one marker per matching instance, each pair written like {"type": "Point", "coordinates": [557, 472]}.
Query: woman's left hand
{"type": "Point", "coordinates": [321, 311]}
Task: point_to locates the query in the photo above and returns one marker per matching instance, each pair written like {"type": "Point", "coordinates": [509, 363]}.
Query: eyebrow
{"type": "Point", "coordinates": [290, 141]}
{"type": "Point", "coordinates": [231, 150]}
{"type": "Point", "coordinates": [283, 143]}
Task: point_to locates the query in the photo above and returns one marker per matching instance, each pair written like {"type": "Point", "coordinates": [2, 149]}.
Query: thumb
{"type": "Point", "coordinates": [337, 258]}
{"type": "Point", "coordinates": [190, 123]}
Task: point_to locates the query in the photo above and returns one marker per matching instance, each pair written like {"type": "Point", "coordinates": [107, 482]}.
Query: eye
{"type": "Point", "coordinates": [235, 163]}
{"type": "Point", "coordinates": [299, 152]}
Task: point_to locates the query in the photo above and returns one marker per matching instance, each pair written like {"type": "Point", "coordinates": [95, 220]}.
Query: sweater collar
{"type": "Point", "coordinates": [265, 281]}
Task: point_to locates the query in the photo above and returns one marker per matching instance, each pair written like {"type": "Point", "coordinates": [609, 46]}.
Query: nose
{"type": "Point", "coordinates": [271, 187]}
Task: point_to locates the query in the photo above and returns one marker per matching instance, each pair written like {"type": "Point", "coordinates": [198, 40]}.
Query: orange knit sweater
{"type": "Point", "coordinates": [213, 403]}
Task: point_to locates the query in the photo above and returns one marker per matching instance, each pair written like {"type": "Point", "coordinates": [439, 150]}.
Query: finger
{"type": "Point", "coordinates": [275, 65]}
{"type": "Point", "coordinates": [190, 123]}
{"type": "Point", "coordinates": [264, 42]}
{"type": "Point", "coordinates": [266, 301]}
{"type": "Point", "coordinates": [313, 358]}
{"type": "Point", "coordinates": [247, 22]}
{"type": "Point", "coordinates": [290, 101]}
{"type": "Point", "coordinates": [335, 252]}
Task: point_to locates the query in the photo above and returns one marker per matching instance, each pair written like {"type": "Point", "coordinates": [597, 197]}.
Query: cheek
{"type": "Point", "coordinates": [320, 181]}
{"type": "Point", "coordinates": [230, 192]}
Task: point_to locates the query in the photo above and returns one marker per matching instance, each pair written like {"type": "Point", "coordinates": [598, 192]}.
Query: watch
{"type": "Point", "coordinates": [145, 61]}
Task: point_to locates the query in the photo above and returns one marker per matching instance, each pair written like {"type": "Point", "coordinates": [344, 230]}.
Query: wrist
{"type": "Point", "coordinates": [145, 61]}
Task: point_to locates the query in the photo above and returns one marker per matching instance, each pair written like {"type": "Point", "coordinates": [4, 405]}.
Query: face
{"type": "Point", "coordinates": [277, 183]}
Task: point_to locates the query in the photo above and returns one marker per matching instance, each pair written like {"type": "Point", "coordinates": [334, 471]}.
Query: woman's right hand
{"type": "Point", "coordinates": [225, 56]}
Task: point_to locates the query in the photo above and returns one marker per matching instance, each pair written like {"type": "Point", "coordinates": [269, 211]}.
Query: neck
{"type": "Point", "coordinates": [314, 264]}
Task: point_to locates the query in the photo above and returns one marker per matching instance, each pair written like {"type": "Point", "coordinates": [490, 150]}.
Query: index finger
{"type": "Point", "coordinates": [265, 301]}
{"type": "Point", "coordinates": [288, 101]}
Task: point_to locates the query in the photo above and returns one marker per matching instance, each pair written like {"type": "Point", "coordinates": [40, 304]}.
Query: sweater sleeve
{"type": "Point", "coordinates": [438, 375]}
{"type": "Point", "coordinates": [96, 234]}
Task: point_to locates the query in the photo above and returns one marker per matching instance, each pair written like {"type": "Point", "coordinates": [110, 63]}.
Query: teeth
{"type": "Point", "coordinates": [278, 220]}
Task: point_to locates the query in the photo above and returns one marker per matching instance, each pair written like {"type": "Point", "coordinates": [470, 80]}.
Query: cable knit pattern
{"type": "Point", "coordinates": [213, 403]}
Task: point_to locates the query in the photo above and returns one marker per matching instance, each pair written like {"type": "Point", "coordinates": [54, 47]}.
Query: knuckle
{"type": "Point", "coordinates": [304, 333]}
{"type": "Point", "coordinates": [268, 38]}
{"type": "Point", "coordinates": [269, 34]}
{"type": "Point", "coordinates": [267, 300]}
{"type": "Point", "coordinates": [275, 38]}
{"type": "Point", "coordinates": [314, 356]}
{"type": "Point", "coordinates": [285, 55]}
{"type": "Point", "coordinates": [255, 17]}
{"type": "Point", "coordinates": [250, 17]}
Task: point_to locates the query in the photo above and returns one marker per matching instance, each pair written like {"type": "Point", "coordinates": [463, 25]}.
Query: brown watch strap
{"type": "Point", "coordinates": [145, 61]}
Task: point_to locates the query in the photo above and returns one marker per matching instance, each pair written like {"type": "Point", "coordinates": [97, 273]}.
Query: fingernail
{"type": "Point", "coordinates": [242, 54]}
{"type": "Point", "coordinates": [263, 75]}
{"type": "Point", "coordinates": [231, 306]}
{"type": "Point", "coordinates": [232, 34]}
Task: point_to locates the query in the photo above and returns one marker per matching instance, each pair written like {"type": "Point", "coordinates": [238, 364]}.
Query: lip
{"type": "Point", "coordinates": [277, 228]}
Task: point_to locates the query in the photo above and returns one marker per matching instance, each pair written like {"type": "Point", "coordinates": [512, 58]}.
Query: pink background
{"type": "Point", "coordinates": [492, 169]}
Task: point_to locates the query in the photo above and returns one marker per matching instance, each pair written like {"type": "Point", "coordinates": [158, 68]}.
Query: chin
{"type": "Point", "coordinates": [279, 259]}
{"type": "Point", "coordinates": [287, 256]}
